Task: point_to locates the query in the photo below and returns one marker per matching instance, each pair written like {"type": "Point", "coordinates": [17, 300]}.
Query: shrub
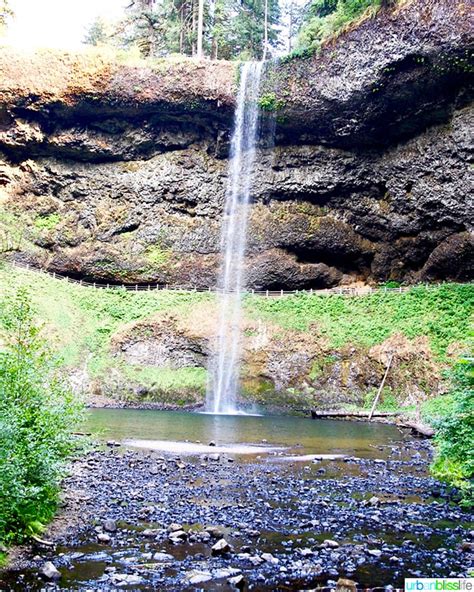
{"type": "Point", "coordinates": [37, 416]}
{"type": "Point", "coordinates": [454, 440]}
{"type": "Point", "coordinates": [48, 222]}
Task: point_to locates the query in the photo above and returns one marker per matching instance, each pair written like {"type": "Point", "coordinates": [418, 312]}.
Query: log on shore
{"type": "Point", "coordinates": [418, 428]}
{"type": "Point", "coordinates": [315, 414]}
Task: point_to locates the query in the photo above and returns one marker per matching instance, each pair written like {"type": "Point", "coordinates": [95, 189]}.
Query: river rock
{"type": "Point", "coordinates": [344, 585]}
{"type": "Point", "coordinates": [49, 571]}
{"type": "Point", "coordinates": [127, 579]}
{"type": "Point", "coordinates": [221, 547]}
{"type": "Point", "coordinates": [161, 556]}
{"type": "Point", "coordinates": [178, 536]}
{"type": "Point", "coordinates": [110, 526]}
{"type": "Point", "coordinates": [198, 577]}
{"type": "Point", "coordinates": [269, 558]}
{"type": "Point", "coordinates": [237, 581]}
{"type": "Point", "coordinates": [103, 538]}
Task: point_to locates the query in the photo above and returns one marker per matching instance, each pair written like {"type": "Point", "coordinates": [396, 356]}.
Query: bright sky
{"type": "Point", "coordinates": [57, 23]}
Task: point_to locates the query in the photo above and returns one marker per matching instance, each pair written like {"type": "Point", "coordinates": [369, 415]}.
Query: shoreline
{"type": "Point", "coordinates": [145, 494]}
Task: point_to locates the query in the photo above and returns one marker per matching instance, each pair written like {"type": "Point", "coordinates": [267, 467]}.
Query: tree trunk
{"type": "Point", "coordinates": [265, 32]}
{"type": "Point", "coordinates": [200, 26]}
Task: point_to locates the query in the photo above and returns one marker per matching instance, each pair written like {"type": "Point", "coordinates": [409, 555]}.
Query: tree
{"type": "Point", "coordinates": [6, 13]}
{"type": "Point", "coordinates": [97, 33]}
{"type": "Point", "coordinates": [292, 15]}
{"type": "Point", "coordinates": [325, 18]}
{"type": "Point", "coordinates": [220, 28]}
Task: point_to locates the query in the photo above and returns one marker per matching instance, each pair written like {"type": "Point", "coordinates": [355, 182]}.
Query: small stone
{"type": "Point", "coordinates": [306, 552]}
{"type": "Point", "coordinates": [178, 536]}
{"type": "Point", "coordinates": [175, 527]}
{"type": "Point", "coordinates": [112, 443]}
{"type": "Point", "coordinates": [126, 579]}
{"type": "Point", "coordinates": [221, 547]}
{"type": "Point", "coordinates": [103, 538]}
{"type": "Point", "coordinates": [467, 547]}
{"type": "Point", "coordinates": [198, 577]}
{"type": "Point", "coordinates": [110, 526]}
{"type": "Point", "coordinates": [237, 581]}
{"type": "Point", "coordinates": [49, 571]}
{"type": "Point", "coordinates": [214, 456]}
{"type": "Point", "coordinates": [344, 585]}
{"type": "Point", "coordinates": [374, 552]}
{"type": "Point", "coordinates": [212, 443]}
{"type": "Point", "coordinates": [374, 501]}
{"type": "Point", "coordinates": [330, 543]}
{"type": "Point", "coordinates": [160, 556]}
{"type": "Point", "coordinates": [255, 560]}
{"type": "Point", "coordinates": [269, 558]}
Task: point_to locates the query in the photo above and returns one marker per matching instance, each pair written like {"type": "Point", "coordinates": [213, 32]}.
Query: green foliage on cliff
{"type": "Point", "coordinates": [441, 313]}
{"type": "Point", "coordinates": [454, 440]}
{"type": "Point", "coordinates": [37, 415]}
{"type": "Point", "coordinates": [326, 18]}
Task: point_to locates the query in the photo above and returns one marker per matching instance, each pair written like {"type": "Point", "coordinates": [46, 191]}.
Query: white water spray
{"type": "Point", "coordinates": [225, 363]}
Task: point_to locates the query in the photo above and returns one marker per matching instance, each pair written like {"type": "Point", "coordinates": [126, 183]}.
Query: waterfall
{"type": "Point", "coordinates": [225, 362]}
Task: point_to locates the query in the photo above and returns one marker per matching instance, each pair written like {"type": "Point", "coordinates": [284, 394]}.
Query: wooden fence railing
{"type": "Point", "coordinates": [341, 291]}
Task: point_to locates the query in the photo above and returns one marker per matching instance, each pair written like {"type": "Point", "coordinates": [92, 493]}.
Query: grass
{"type": "Point", "coordinates": [80, 321]}
{"type": "Point", "coordinates": [441, 313]}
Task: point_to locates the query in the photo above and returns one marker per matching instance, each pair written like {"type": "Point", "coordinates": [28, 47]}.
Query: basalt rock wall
{"type": "Point", "coordinates": [117, 172]}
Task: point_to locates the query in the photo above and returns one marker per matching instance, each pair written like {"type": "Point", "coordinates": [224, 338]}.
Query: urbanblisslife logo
{"type": "Point", "coordinates": [439, 584]}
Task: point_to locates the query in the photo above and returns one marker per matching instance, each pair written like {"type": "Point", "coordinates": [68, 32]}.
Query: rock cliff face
{"type": "Point", "coordinates": [117, 172]}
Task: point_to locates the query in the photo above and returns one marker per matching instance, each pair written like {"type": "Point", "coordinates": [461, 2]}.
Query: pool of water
{"type": "Point", "coordinates": [282, 434]}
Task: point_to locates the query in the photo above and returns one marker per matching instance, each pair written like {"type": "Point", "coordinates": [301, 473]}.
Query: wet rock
{"type": "Point", "coordinates": [221, 547]}
{"type": "Point", "coordinates": [49, 571]}
{"type": "Point", "coordinates": [198, 577]}
{"type": "Point", "coordinates": [163, 557]}
{"type": "Point", "coordinates": [344, 585]}
{"type": "Point", "coordinates": [178, 536]}
{"type": "Point", "coordinates": [110, 526]}
{"type": "Point", "coordinates": [269, 558]}
{"type": "Point", "coordinates": [237, 582]}
{"type": "Point", "coordinates": [127, 579]}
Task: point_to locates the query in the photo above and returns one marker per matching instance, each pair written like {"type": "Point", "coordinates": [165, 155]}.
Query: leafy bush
{"type": "Point", "coordinates": [37, 416]}
{"type": "Point", "coordinates": [48, 222]}
{"type": "Point", "coordinates": [454, 460]}
{"type": "Point", "coordinates": [327, 18]}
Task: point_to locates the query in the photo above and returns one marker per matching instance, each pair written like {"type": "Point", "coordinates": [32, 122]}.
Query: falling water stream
{"type": "Point", "coordinates": [224, 365]}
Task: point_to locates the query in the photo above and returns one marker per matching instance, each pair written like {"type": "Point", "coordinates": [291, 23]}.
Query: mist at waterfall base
{"type": "Point", "coordinates": [224, 364]}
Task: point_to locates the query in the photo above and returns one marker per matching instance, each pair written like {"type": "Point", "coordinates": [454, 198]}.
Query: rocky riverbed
{"type": "Point", "coordinates": [140, 520]}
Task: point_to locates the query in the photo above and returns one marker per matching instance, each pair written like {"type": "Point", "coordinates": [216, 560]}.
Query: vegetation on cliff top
{"type": "Point", "coordinates": [327, 18]}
